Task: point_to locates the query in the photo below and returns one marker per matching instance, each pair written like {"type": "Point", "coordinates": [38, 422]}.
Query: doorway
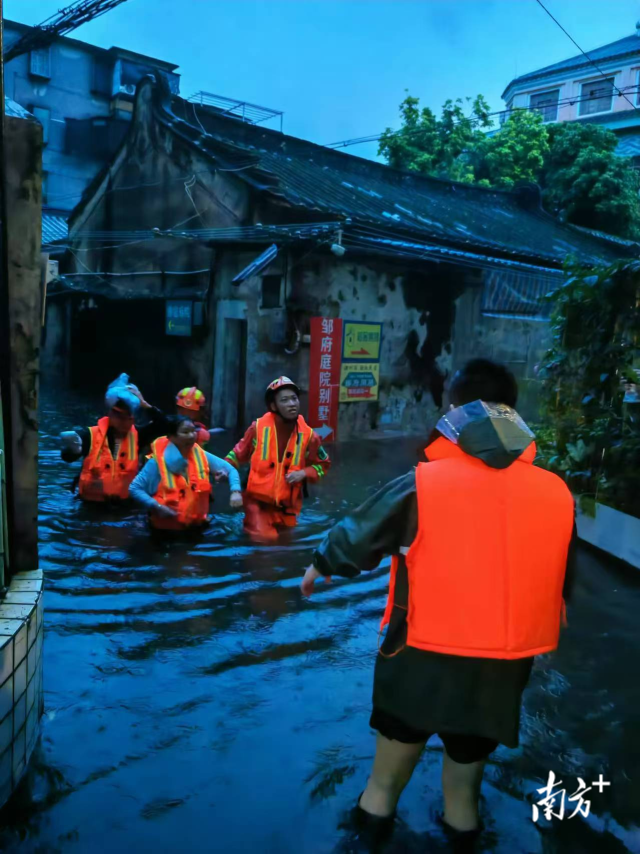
{"type": "Point", "coordinates": [235, 373]}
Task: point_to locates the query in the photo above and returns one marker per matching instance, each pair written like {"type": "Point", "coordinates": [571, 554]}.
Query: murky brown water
{"type": "Point", "coordinates": [194, 699]}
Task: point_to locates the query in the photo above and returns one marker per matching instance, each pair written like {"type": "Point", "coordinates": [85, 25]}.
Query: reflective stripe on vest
{"type": "Point", "coordinates": [102, 477]}
{"type": "Point", "coordinates": [267, 475]}
{"type": "Point", "coordinates": [189, 496]}
{"type": "Point", "coordinates": [487, 567]}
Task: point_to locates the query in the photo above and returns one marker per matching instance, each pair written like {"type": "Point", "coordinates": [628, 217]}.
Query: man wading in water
{"type": "Point", "coordinates": [481, 541]}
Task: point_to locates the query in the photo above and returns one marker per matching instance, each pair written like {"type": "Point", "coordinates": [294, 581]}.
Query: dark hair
{"type": "Point", "coordinates": [175, 421]}
{"type": "Point", "coordinates": [121, 404]}
{"type": "Point", "coordinates": [482, 379]}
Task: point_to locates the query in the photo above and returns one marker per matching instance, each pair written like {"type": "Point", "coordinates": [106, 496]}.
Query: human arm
{"type": "Point", "coordinates": [318, 462]}
{"type": "Point", "coordinates": [219, 467]}
{"type": "Point", "coordinates": [145, 485]}
{"type": "Point", "coordinates": [386, 523]}
{"type": "Point", "coordinates": [243, 451]}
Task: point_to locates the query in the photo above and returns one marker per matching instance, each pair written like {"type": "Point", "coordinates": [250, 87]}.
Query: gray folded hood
{"type": "Point", "coordinates": [491, 432]}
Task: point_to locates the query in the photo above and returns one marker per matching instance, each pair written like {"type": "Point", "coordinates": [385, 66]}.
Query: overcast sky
{"type": "Point", "coordinates": [339, 68]}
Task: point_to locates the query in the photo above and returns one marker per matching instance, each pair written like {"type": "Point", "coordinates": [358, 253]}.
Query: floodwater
{"type": "Point", "coordinates": [195, 700]}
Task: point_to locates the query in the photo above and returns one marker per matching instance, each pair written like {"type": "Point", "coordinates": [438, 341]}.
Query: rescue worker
{"type": "Point", "coordinates": [285, 454]}
{"type": "Point", "coordinates": [110, 449]}
{"type": "Point", "coordinates": [190, 402]}
{"type": "Point", "coordinates": [175, 483]}
{"type": "Point", "coordinates": [482, 543]}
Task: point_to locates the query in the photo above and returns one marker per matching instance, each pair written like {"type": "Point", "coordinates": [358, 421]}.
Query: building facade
{"type": "Point", "coordinates": [82, 96]}
{"type": "Point", "coordinates": [575, 90]}
{"type": "Point", "coordinates": [236, 236]}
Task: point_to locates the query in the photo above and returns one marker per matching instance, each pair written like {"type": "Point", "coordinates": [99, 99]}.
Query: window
{"type": "Point", "coordinates": [596, 97]}
{"type": "Point", "coordinates": [45, 183]}
{"type": "Point", "coordinates": [102, 77]}
{"type": "Point", "coordinates": [40, 62]}
{"type": "Point", "coordinates": [546, 103]}
{"type": "Point", "coordinates": [271, 291]}
{"type": "Point", "coordinates": [43, 116]}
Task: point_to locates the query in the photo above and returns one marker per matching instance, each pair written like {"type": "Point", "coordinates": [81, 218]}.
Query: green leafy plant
{"type": "Point", "coordinates": [591, 436]}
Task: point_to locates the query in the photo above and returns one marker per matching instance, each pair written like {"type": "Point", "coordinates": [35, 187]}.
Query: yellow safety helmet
{"type": "Point", "coordinates": [191, 398]}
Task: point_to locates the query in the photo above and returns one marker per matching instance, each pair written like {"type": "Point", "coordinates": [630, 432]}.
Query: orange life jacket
{"type": "Point", "coordinates": [189, 496]}
{"type": "Point", "coordinates": [267, 475]}
{"type": "Point", "coordinates": [103, 478]}
{"type": "Point", "coordinates": [487, 567]}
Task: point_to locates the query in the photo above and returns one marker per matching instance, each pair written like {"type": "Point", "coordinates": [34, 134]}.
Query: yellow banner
{"type": "Point", "coordinates": [362, 341]}
{"type": "Point", "coordinates": [359, 381]}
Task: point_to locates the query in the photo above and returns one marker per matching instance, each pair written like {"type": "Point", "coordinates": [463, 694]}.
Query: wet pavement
{"type": "Point", "coordinates": [195, 699]}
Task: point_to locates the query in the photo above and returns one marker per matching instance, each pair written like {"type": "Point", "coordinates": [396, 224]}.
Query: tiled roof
{"type": "Point", "coordinates": [628, 46]}
{"type": "Point", "coordinates": [388, 201]}
{"type": "Point", "coordinates": [629, 146]}
{"type": "Point", "coordinates": [317, 183]}
{"type": "Point", "coordinates": [53, 228]}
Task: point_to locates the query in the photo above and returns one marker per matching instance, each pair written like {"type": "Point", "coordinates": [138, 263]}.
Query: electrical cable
{"type": "Point", "coordinates": [586, 55]}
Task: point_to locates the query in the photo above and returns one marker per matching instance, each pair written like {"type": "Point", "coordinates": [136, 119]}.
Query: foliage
{"type": "Point", "coordinates": [517, 152]}
{"type": "Point", "coordinates": [593, 437]}
{"type": "Point", "coordinates": [583, 180]}
{"type": "Point", "coordinates": [586, 183]}
{"type": "Point", "coordinates": [437, 146]}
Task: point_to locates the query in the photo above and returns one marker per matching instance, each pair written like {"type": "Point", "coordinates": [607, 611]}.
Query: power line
{"type": "Point", "coordinates": [64, 21]}
{"type": "Point", "coordinates": [586, 55]}
{"type": "Point", "coordinates": [563, 102]}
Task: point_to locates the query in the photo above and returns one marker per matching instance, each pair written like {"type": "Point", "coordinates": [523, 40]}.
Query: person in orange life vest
{"type": "Point", "coordinates": [285, 454]}
{"type": "Point", "coordinates": [190, 403]}
{"type": "Point", "coordinates": [175, 484]}
{"type": "Point", "coordinates": [110, 451]}
{"type": "Point", "coordinates": [483, 547]}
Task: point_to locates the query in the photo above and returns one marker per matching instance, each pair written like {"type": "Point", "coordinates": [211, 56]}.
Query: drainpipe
{"type": "Point", "coordinates": [6, 464]}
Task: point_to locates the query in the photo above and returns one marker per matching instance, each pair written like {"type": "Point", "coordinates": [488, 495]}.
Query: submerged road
{"type": "Point", "coordinates": [195, 700]}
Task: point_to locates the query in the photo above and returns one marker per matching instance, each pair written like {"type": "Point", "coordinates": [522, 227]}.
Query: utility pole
{"type": "Point", "coordinates": [6, 464]}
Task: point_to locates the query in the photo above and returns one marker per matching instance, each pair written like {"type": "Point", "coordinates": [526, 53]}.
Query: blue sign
{"type": "Point", "coordinates": [179, 317]}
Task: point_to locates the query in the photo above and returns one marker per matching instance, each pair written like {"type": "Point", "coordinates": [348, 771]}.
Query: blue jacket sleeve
{"type": "Point", "coordinates": [145, 485]}
{"type": "Point", "coordinates": [217, 465]}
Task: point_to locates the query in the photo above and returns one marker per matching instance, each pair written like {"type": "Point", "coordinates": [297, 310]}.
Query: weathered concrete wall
{"type": "Point", "coordinates": [417, 311]}
{"type": "Point", "coordinates": [519, 343]}
{"type": "Point", "coordinates": [23, 140]}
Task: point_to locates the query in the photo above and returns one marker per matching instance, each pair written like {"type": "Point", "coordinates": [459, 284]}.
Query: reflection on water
{"type": "Point", "coordinates": [194, 697]}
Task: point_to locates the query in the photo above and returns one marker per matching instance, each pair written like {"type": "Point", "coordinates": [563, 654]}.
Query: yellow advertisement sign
{"type": "Point", "coordinates": [359, 381]}
{"type": "Point", "coordinates": [362, 341]}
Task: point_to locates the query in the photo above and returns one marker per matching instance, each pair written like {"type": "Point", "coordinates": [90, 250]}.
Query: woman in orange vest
{"type": "Point", "coordinates": [285, 454]}
{"type": "Point", "coordinates": [175, 484]}
{"type": "Point", "coordinates": [482, 549]}
{"type": "Point", "coordinates": [110, 451]}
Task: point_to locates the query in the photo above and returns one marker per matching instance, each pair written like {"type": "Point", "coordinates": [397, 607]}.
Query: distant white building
{"type": "Point", "coordinates": [574, 90]}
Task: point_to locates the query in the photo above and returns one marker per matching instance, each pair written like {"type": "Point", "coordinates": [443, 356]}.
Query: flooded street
{"type": "Point", "coordinates": [193, 698]}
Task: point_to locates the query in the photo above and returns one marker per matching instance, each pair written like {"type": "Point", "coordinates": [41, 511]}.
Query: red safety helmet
{"type": "Point", "coordinates": [191, 398]}
{"type": "Point", "coordinates": [278, 385]}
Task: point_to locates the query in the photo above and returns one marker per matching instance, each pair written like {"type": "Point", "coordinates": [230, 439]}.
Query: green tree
{"type": "Point", "coordinates": [516, 153]}
{"type": "Point", "coordinates": [435, 146]}
{"type": "Point", "coordinates": [586, 183]}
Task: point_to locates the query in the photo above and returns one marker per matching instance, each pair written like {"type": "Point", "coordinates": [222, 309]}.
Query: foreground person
{"type": "Point", "coordinates": [110, 448]}
{"type": "Point", "coordinates": [285, 453]}
{"type": "Point", "coordinates": [481, 543]}
{"type": "Point", "coordinates": [175, 484]}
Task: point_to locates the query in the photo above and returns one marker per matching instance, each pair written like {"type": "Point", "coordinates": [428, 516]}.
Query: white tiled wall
{"type": "Point", "coordinates": [21, 699]}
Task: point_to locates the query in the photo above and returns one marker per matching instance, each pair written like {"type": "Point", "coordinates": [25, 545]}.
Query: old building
{"type": "Point", "coordinates": [82, 95]}
{"type": "Point", "coordinates": [200, 254]}
{"type": "Point", "coordinates": [576, 90]}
